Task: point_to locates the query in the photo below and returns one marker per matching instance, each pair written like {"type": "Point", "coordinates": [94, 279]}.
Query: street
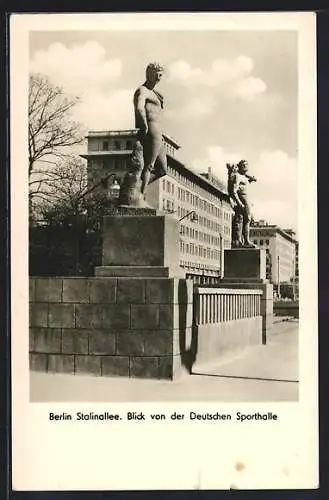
{"type": "Point", "coordinates": [261, 374]}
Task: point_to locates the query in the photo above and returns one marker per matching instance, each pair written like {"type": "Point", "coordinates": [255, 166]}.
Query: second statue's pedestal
{"type": "Point", "coordinates": [245, 264]}
{"type": "Point", "coordinates": [246, 268]}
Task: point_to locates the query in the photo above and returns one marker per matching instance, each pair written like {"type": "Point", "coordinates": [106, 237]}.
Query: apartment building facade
{"type": "Point", "coordinates": [282, 247]}
{"type": "Point", "coordinates": [199, 201]}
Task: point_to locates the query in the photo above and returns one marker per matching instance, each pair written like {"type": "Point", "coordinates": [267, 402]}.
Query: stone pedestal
{"type": "Point", "coordinates": [246, 264]}
{"type": "Point", "coordinates": [137, 312]}
{"type": "Point", "coordinates": [246, 268]}
{"type": "Point", "coordinates": [140, 246]}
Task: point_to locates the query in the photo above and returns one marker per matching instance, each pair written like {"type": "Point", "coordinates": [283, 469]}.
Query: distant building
{"type": "Point", "coordinates": [200, 200]}
{"type": "Point", "coordinates": [282, 248]}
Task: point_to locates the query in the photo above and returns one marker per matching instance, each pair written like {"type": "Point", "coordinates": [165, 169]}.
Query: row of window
{"type": "Point", "coordinates": [107, 145]}
{"type": "Point", "coordinates": [170, 149]}
{"type": "Point", "coordinates": [168, 186]}
{"type": "Point", "coordinates": [262, 242]}
{"type": "Point", "coordinates": [215, 270]}
{"type": "Point", "coordinates": [194, 200]}
{"type": "Point", "coordinates": [169, 206]}
{"type": "Point", "coordinates": [117, 145]}
{"type": "Point", "coordinates": [193, 186]}
{"type": "Point", "coordinates": [115, 164]}
{"type": "Point", "coordinates": [211, 224]}
{"type": "Point", "coordinates": [200, 251]}
{"type": "Point", "coordinates": [108, 164]}
{"type": "Point", "coordinates": [199, 235]}
{"type": "Point", "coordinates": [261, 233]}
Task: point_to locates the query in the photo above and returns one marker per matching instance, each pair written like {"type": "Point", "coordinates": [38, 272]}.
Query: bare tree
{"type": "Point", "coordinates": [51, 128]}
{"type": "Point", "coordinates": [64, 192]}
{"type": "Point", "coordinates": [62, 187]}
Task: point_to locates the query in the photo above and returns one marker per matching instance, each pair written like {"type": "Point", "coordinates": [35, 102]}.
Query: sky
{"type": "Point", "coordinates": [228, 95]}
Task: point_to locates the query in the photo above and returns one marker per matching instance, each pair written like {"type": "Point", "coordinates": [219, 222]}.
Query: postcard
{"type": "Point", "coordinates": [163, 251]}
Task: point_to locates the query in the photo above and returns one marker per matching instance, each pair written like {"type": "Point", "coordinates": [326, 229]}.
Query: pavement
{"type": "Point", "coordinates": [263, 373]}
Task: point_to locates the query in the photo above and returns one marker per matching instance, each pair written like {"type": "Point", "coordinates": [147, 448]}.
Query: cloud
{"type": "Point", "coordinates": [182, 72]}
{"type": "Point", "coordinates": [77, 67]}
{"type": "Point", "coordinates": [216, 158]}
{"type": "Point", "coordinates": [195, 107]}
{"type": "Point", "coordinates": [249, 88]}
{"type": "Point", "coordinates": [278, 172]}
{"type": "Point", "coordinates": [86, 71]}
{"type": "Point", "coordinates": [274, 195]}
{"type": "Point", "coordinates": [227, 71]}
{"type": "Point", "coordinates": [231, 76]}
{"type": "Point", "coordinates": [113, 110]}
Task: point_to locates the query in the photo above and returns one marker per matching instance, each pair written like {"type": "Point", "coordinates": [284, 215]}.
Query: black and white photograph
{"type": "Point", "coordinates": [162, 178]}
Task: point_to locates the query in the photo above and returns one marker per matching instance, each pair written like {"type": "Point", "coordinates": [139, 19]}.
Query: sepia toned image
{"type": "Point", "coordinates": [163, 251]}
{"type": "Point", "coordinates": [163, 235]}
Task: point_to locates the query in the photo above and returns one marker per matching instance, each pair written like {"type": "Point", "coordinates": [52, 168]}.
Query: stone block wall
{"type": "Point", "coordinates": [133, 327]}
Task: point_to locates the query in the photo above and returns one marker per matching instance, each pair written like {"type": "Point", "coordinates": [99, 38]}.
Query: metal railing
{"type": "Point", "coordinates": [217, 305]}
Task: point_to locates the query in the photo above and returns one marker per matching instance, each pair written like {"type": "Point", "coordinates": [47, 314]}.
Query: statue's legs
{"type": "Point", "coordinates": [160, 166]}
{"type": "Point", "coordinates": [152, 144]}
{"type": "Point", "coordinates": [246, 223]}
{"type": "Point", "coordinates": [237, 229]}
{"type": "Point", "coordinates": [246, 235]}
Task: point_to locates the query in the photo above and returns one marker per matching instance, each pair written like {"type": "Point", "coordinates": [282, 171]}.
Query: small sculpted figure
{"type": "Point", "coordinates": [238, 180]}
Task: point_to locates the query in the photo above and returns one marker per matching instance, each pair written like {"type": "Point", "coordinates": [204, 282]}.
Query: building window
{"type": "Point", "coordinates": [267, 242]}
{"type": "Point", "coordinates": [105, 145]}
{"type": "Point", "coordinates": [129, 145]}
{"type": "Point", "coordinates": [117, 145]}
{"type": "Point", "coordinates": [261, 242]}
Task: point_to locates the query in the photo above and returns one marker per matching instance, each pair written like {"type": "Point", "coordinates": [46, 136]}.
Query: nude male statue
{"type": "Point", "coordinates": [149, 160]}
{"type": "Point", "coordinates": [148, 104]}
{"type": "Point", "coordinates": [237, 187]}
